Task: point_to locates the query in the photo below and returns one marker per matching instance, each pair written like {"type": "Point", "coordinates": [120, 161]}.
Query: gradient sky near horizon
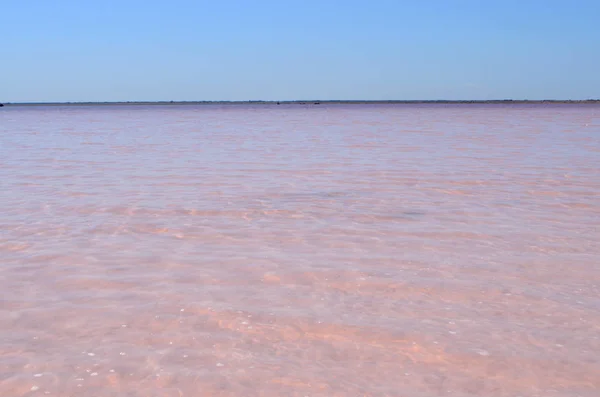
{"type": "Point", "coordinates": [120, 50]}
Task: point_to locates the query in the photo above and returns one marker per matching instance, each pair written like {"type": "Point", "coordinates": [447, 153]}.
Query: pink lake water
{"type": "Point", "coordinates": [332, 250]}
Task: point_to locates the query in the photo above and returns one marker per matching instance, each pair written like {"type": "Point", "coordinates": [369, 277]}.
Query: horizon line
{"type": "Point", "coordinates": [309, 102]}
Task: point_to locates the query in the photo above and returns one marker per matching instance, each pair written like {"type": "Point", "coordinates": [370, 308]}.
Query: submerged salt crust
{"type": "Point", "coordinates": [332, 250]}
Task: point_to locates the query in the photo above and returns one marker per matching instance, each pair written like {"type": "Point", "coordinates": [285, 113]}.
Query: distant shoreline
{"type": "Point", "coordinates": [312, 102]}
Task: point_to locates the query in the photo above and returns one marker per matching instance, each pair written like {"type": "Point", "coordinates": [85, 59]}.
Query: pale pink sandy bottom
{"type": "Point", "coordinates": [300, 251]}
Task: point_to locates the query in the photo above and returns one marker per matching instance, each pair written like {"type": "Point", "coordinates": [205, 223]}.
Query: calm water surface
{"type": "Point", "coordinates": [300, 251]}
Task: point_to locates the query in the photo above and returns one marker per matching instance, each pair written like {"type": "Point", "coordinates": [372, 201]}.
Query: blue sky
{"type": "Point", "coordinates": [63, 50]}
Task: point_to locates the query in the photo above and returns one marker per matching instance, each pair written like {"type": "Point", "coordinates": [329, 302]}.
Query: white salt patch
{"type": "Point", "coordinates": [124, 325]}
{"type": "Point", "coordinates": [94, 374]}
{"type": "Point", "coordinates": [182, 310]}
{"type": "Point", "coordinates": [111, 370]}
{"type": "Point", "coordinates": [38, 375]}
{"type": "Point", "coordinates": [34, 388]}
{"type": "Point", "coordinates": [91, 354]}
{"type": "Point", "coordinates": [452, 332]}
{"type": "Point", "coordinates": [220, 365]}
{"type": "Point", "coordinates": [122, 353]}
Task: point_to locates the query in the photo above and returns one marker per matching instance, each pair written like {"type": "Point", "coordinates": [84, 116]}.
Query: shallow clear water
{"type": "Point", "coordinates": [332, 250]}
